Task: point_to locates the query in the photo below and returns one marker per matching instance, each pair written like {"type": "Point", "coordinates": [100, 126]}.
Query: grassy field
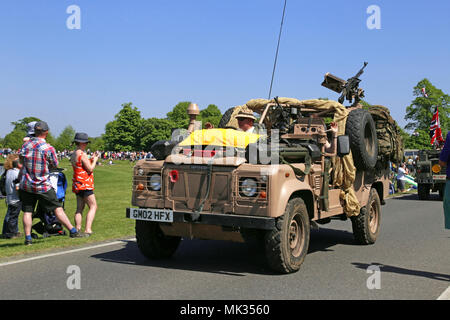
{"type": "Point", "coordinates": [113, 194]}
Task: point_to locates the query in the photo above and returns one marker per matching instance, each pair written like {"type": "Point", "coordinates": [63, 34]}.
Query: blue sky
{"type": "Point", "coordinates": [158, 53]}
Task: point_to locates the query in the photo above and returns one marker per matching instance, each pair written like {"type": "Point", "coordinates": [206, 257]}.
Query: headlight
{"type": "Point", "coordinates": [155, 182]}
{"type": "Point", "coordinates": [249, 187]}
{"type": "Point", "coordinates": [436, 168]}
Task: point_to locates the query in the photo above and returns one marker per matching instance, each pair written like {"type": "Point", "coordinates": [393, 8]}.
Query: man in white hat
{"type": "Point", "coordinates": [245, 121]}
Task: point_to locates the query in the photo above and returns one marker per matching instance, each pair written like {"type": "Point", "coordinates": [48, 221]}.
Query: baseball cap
{"type": "Point", "coordinates": [41, 125]}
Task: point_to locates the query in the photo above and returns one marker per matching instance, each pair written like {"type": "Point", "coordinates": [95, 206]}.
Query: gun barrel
{"type": "Point", "coordinates": [360, 72]}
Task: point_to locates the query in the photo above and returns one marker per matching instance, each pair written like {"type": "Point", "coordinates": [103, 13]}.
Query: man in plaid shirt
{"type": "Point", "coordinates": [38, 157]}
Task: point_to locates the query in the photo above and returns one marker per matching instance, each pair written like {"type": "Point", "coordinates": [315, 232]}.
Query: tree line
{"type": "Point", "coordinates": [129, 131]}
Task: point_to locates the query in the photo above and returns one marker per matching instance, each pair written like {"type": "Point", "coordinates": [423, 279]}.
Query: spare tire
{"type": "Point", "coordinates": [361, 130]}
{"type": "Point", "coordinates": [226, 118]}
{"type": "Point", "coordinates": [161, 149]}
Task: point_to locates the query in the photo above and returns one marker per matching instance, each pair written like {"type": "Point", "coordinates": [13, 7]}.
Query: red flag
{"type": "Point", "coordinates": [435, 129]}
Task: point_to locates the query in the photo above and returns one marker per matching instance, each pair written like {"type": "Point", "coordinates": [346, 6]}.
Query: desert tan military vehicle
{"type": "Point", "coordinates": [272, 186]}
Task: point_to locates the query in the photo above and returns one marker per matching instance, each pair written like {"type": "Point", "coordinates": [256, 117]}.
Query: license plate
{"type": "Point", "coordinates": [147, 214]}
{"type": "Point", "coordinates": [439, 177]}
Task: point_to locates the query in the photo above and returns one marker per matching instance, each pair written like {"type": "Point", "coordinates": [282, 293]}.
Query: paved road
{"type": "Point", "coordinates": [412, 252]}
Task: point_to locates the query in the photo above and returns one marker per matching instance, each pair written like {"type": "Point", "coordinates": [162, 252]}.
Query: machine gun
{"type": "Point", "coordinates": [349, 89]}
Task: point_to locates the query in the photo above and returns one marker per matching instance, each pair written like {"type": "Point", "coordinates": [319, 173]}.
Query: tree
{"type": "Point", "coordinates": [178, 116]}
{"type": "Point", "coordinates": [211, 114]}
{"type": "Point", "coordinates": [65, 139]}
{"type": "Point", "coordinates": [420, 140]}
{"type": "Point", "coordinates": [97, 144]}
{"type": "Point", "coordinates": [155, 130]}
{"type": "Point", "coordinates": [124, 133]}
{"type": "Point", "coordinates": [14, 139]}
{"type": "Point", "coordinates": [22, 123]}
{"type": "Point", "coordinates": [420, 112]}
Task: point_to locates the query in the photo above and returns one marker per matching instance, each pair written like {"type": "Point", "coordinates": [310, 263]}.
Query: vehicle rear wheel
{"type": "Point", "coordinates": [361, 130]}
{"type": "Point", "coordinates": [423, 191]}
{"type": "Point", "coordinates": [287, 244]}
{"type": "Point", "coordinates": [152, 242]}
{"type": "Point", "coordinates": [366, 225]}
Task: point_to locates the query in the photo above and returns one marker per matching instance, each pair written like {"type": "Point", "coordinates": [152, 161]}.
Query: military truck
{"type": "Point", "coordinates": [225, 184]}
{"type": "Point", "coordinates": [430, 176]}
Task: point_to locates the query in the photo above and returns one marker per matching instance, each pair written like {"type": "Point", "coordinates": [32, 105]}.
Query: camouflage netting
{"type": "Point", "coordinates": [390, 144]}
{"type": "Point", "coordinates": [344, 169]}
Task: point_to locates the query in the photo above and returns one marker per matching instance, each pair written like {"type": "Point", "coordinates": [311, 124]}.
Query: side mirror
{"type": "Point", "coordinates": [343, 146]}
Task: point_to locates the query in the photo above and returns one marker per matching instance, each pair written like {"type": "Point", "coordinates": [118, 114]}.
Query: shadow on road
{"type": "Point", "coordinates": [226, 258]}
{"type": "Point", "coordinates": [398, 270]}
{"type": "Point", "coordinates": [223, 257]}
{"type": "Point", "coordinates": [414, 196]}
{"type": "Point", "coordinates": [323, 239]}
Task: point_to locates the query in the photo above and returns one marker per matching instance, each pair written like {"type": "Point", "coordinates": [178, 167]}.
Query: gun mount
{"type": "Point", "coordinates": [349, 89]}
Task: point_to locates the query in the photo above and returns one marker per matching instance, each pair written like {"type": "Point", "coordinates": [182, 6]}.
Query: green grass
{"type": "Point", "coordinates": [113, 194]}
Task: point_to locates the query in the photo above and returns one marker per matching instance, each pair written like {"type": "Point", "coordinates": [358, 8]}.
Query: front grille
{"type": "Point", "coordinates": [190, 189]}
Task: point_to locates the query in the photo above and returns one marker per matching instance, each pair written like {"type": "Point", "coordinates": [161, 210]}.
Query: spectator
{"type": "Point", "coordinates": [402, 171]}
{"type": "Point", "coordinates": [38, 157]}
{"type": "Point", "coordinates": [444, 159]}
{"type": "Point", "coordinates": [83, 182]}
{"type": "Point", "coordinates": [10, 224]}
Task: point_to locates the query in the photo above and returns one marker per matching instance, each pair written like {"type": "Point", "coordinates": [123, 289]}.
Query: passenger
{"type": "Point", "coordinates": [330, 147]}
{"type": "Point", "coordinates": [246, 120]}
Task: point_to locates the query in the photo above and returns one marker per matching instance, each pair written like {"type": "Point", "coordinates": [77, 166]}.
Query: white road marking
{"type": "Point", "coordinates": [64, 252]}
{"type": "Point", "coordinates": [445, 295]}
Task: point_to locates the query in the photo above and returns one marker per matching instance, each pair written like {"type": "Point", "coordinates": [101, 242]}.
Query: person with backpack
{"type": "Point", "coordinates": [9, 181]}
{"type": "Point", "coordinates": [83, 182]}
{"type": "Point", "coordinates": [38, 157]}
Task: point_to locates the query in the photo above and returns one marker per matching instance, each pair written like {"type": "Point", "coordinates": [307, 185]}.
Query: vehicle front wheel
{"type": "Point", "coordinates": [152, 242]}
{"type": "Point", "coordinates": [366, 225]}
{"type": "Point", "coordinates": [287, 244]}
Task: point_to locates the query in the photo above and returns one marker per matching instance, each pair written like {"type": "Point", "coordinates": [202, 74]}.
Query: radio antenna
{"type": "Point", "coordinates": [278, 47]}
